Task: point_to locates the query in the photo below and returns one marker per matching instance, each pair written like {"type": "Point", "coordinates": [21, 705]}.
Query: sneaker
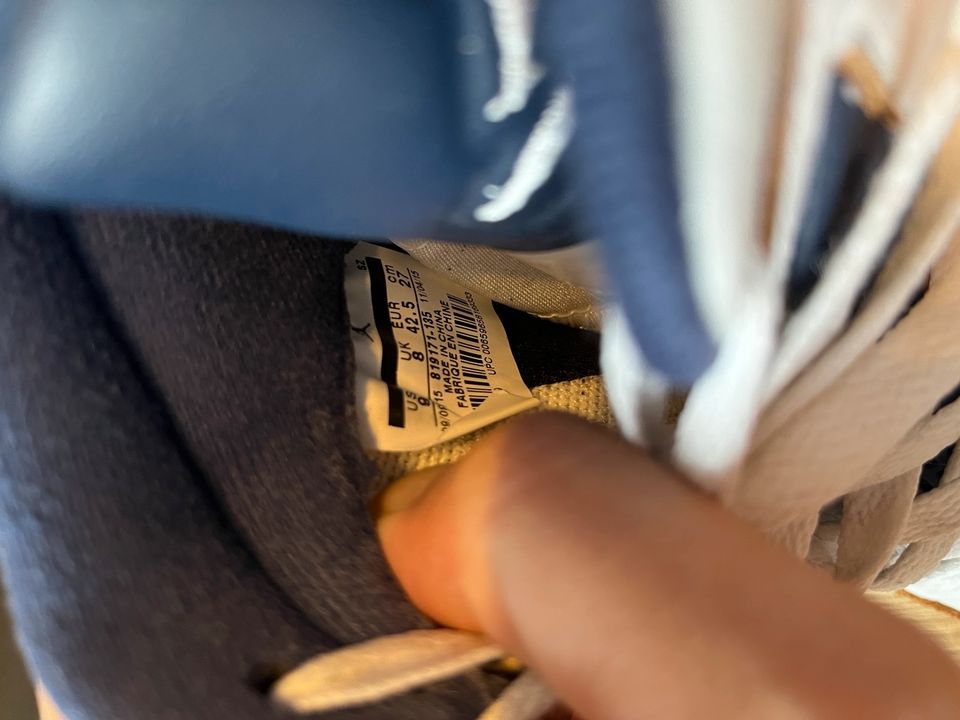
{"type": "Point", "coordinates": [196, 410]}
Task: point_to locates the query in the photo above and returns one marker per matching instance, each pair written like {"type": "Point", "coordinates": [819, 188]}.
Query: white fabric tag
{"type": "Point", "coordinates": [433, 360]}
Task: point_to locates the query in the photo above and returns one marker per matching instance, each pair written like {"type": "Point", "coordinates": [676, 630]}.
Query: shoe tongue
{"type": "Point", "coordinates": [244, 334]}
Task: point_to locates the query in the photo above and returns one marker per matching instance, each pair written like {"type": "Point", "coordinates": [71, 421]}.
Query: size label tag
{"type": "Point", "coordinates": [433, 360]}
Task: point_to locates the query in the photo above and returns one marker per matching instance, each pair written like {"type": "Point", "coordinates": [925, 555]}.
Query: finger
{"type": "Point", "coordinates": [635, 596]}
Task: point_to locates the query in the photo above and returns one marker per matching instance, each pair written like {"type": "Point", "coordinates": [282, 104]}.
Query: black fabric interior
{"type": "Point", "coordinates": [932, 472]}
{"type": "Point", "coordinates": [547, 352]}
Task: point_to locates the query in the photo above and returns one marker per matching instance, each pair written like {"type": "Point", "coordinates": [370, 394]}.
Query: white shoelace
{"type": "Point", "coordinates": [384, 667]}
{"type": "Point", "coordinates": [520, 73]}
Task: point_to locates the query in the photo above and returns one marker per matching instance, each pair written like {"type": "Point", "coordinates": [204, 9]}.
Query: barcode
{"type": "Point", "coordinates": [471, 358]}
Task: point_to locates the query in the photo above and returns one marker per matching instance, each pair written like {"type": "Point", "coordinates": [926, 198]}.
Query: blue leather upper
{"type": "Point", "coordinates": [346, 117]}
{"type": "Point", "coordinates": [355, 118]}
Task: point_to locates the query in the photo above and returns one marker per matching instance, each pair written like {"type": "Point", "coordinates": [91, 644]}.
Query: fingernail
{"type": "Point", "coordinates": [405, 492]}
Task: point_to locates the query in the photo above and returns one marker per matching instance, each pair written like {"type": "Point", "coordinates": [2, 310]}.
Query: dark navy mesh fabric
{"type": "Point", "coordinates": [183, 517]}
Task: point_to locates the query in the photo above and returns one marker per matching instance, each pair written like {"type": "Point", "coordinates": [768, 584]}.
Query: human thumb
{"type": "Point", "coordinates": [633, 595]}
